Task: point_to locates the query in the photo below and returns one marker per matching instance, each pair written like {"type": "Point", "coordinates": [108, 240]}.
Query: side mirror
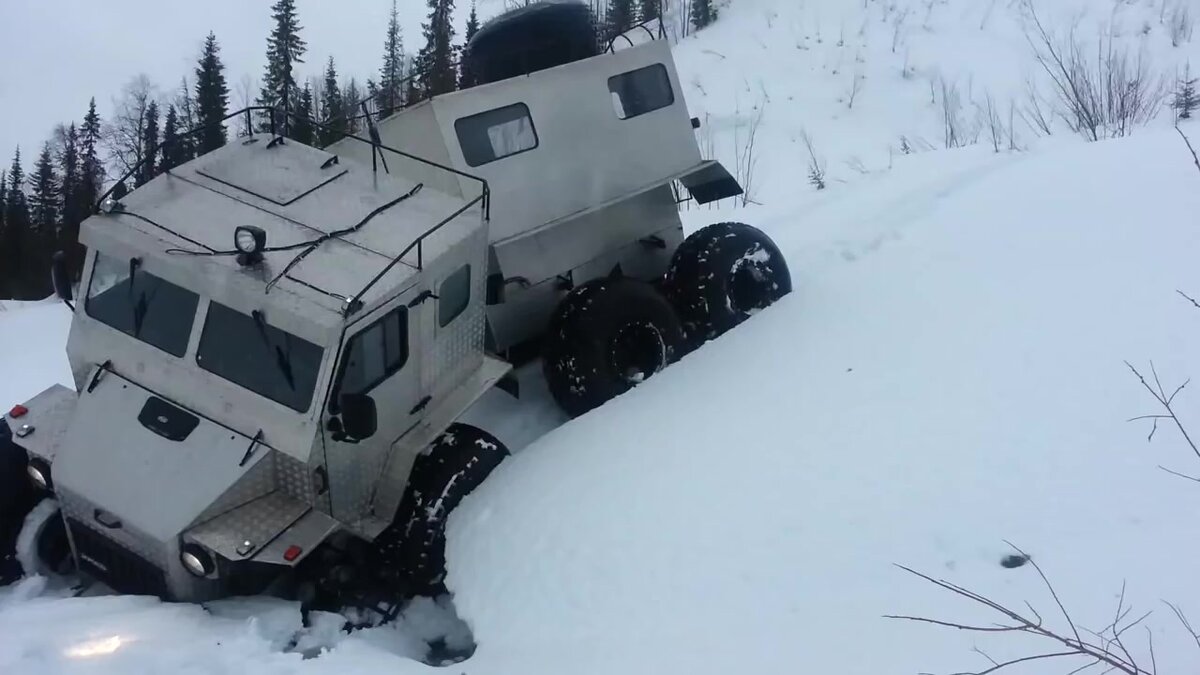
{"type": "Point", "coordinates": [360, 419]}
{"type": "Point", "coordinates": [60, 278]}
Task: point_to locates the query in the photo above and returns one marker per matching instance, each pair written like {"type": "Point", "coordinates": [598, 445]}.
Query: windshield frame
{"type": "Point", "coordinates": [179, 343]}
{"type": "Point", "coordinates": [310, 374]}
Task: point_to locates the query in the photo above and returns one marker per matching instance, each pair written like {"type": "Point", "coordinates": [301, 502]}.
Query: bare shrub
{"type": "Point", "coordinates": [1034, 113]}
{"type": "Point", "coordinates": [991, 121]}
{"type": "Point", "coordinates": [1072, 643]}
{"type": "Point", "coordinates": [1107, 98]}
{"type": "Point", "coordinates": [745, 160]}
{"type": "Point", "coordinates": [855, 88]}
{"type": "Point", "coordinates": [952, 124]}
{"type": "Point", "coordinates": [898, 29]}
{"type": "Point", "coordinates": [1181, 24]}
{"type": "Point", "coordinates": [816, 163]}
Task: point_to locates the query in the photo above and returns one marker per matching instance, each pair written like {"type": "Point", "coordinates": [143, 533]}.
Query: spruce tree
{"type": "Point", "coordinates": [173, 153]}
{"type": "Point", "coordinates": [44, 208]}
{"type": "Point", "coordinates": [472, 24]}
{"type": "Point", "coordinates": [4, 292]}
{"type": "Point", "coordinates": [620, 17]}
{"type": "Point", "coordinates": [16, 227]}
{"type": "Point", "coordinates": [284, 50]}
{"type": "Point", "coordinates": [703, 13]}
{"type": "Point", "coordinates": [67, 155]}
{"type": "Point", "coordinates": [649, 10]}
{"type": "Point", "coordinates": [351, 95]}
{"type": "Point", "coordinates": [185, 106]}
{"type": "Point", "coordinates": [390, 95]}
{"type": "Point", "coordinates": [149, 147]}
{"type": "Point", "coordinates": [212, 97]}
{"type": "Point", "coordinates": [3, 205]}
{"type": "Point", "coordinates": [333, 108]}
{"type": "Point", "coordinates": [43, 195]}
{"type": "Point", "coordinates": [72, 187]}
{"type": "Point", "coordinates": [1185, 95]}
{"type": "Point", "coordinates": [89, 144]}
{"type": "Point", "coordinates": [465, 77]}
{"type": "Point", "coordinates": [302, 126]}
{"type": "Point", "coordinates": [436, 60]}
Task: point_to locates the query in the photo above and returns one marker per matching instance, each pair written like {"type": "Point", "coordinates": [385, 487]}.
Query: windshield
{"type": "Point", "coordinates": [246, 351]}
{"type": "Point", "coordinates": [137, 303]}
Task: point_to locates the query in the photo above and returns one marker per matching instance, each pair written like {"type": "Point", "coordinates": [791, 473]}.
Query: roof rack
{"type": "Point", "coordinates": [354, 303]}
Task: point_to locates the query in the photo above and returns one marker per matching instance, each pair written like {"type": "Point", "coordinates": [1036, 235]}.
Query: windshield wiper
{"type": "Point", "coordinates": [283, 360]}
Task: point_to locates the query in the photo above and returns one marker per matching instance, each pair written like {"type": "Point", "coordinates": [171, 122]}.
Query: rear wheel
{"type": "Point", "coordinates": [607, 336]}
{"type": "Point", "coordinates": [723, 274]}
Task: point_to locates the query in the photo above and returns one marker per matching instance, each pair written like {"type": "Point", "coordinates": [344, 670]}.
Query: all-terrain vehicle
{"type": "Point", "coordinates": [273, 343]}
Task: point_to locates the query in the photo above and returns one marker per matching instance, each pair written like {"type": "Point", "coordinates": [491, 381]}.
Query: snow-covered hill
{"type": "Point", "coordinates": [949, 374]}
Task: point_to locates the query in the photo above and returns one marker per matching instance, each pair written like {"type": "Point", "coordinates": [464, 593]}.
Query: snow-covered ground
{"type": "Point", "coordinates": [949, 374]}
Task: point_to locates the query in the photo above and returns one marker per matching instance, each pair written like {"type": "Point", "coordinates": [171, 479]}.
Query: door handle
{"type": "Point", "coordinates": [420, 405]}
{"type": "Point", "coordinates": [106, 519]}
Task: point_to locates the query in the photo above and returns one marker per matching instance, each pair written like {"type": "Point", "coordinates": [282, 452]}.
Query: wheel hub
{"type": "Point", "coordinates": [750, 286]}
{"type": "Point", "coordinates": [637, 351]}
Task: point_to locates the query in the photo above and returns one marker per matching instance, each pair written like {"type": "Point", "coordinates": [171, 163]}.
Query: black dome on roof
{"type": "Point", "coordinates": [531, 38]}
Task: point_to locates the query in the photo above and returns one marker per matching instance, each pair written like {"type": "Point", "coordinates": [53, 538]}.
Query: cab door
{"type": "Point", "coordinates": [381, 360]}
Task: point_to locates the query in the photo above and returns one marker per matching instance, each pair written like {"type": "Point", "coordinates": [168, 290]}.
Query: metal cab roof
{"type": "Point", "coordinates": [182, 225]}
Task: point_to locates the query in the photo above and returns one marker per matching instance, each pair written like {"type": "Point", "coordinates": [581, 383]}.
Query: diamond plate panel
{"type": "Point", "coordinates": [256, 482]}
{"type": "Point", "coordinates": [459, 346]}
{"type": "Point", "coordinates": [258, 522]}
{"type": "Point", "coordinates": [294, 478]}
{"type": "Point", "coordinates": [353, 473]}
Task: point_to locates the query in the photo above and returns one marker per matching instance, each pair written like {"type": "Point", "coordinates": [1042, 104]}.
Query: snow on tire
{"type": "Point", "coordinates": [605, 337]}
{"type": "Point", "coordinates": [458, 461]}
{"type": "Point", "coordinates": [723, 274]}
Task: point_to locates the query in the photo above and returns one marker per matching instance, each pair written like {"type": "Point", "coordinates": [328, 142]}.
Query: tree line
{"type": "Point", "coordinates": [147, 132]}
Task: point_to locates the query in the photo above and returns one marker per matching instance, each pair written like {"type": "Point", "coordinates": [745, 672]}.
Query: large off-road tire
{"type": "Point", "coordinates": [723, 274]}
{"type": "Point", "coordinates": [604, 338]}
{"type": "Point", "coordinates": [415, 544]}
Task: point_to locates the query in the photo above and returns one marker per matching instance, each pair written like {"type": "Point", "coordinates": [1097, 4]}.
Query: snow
{"type": "Point", "coordinates": [948, 375]}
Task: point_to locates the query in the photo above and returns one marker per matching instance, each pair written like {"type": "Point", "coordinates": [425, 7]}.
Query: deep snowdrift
{"type": "Point", "coordinates": [956, 380]}
{"type": "Point", "coordinates": [949, 374]}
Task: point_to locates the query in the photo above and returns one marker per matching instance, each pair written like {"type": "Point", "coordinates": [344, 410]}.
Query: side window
{"type": "Point", "coordinates": [376, 353]}
{"type": "Point", "coordinates": [641, 91]}
{"type": "Point", "coordinates": [496, 134]}
{"type": "Point", "coordinates": [454, 295]}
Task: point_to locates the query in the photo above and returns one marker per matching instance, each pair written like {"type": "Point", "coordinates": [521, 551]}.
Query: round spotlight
{"type": "Point", "coordinates": [249, 239]}
{"type": "Point", "coordinates": [196, 560]}
{"type": "Point", "coordinates": [109, 205]}
{"type": "Point", "coordinates": [39, 473]}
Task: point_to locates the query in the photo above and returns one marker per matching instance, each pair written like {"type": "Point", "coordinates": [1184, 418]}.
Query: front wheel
{"type": "Point", "coordinates": [723, 274]}
{"type": "Point", "coordinates": [457, 462]}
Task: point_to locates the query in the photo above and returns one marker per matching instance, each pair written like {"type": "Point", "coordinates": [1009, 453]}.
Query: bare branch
{"type": "Point", "coordinates": [1181, 475]}
{"type": "Point", "coordinates": [1194, 159]}
{"type": "Point", "coordinates": [1165, 401]}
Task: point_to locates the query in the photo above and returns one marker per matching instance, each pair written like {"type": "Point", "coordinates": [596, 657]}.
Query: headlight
{"type": "Point", "coordinates": [39, 473]}
{"type": "Point", "coordinates": [249, 239]}
{"type": "Point", "coordinates": [196, 560]}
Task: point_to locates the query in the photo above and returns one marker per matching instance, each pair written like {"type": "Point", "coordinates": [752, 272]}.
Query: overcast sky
{"type": "Point", "coordinates": [56, 54]}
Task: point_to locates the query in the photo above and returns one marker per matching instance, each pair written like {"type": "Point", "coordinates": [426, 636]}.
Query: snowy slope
{"type": "Point", "coordinates": [794, 66]}
{"type": "Point", "coordinates": [948, 375]}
